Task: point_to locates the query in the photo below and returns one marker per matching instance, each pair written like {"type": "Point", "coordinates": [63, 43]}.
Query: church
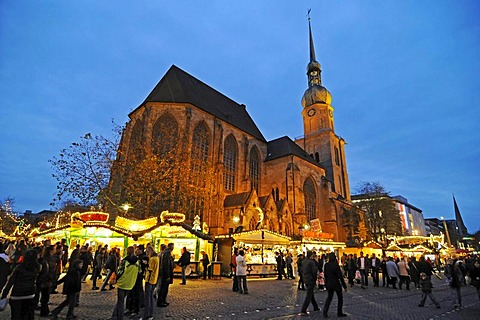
{"type": "Point", "coordinates": [188, 148]}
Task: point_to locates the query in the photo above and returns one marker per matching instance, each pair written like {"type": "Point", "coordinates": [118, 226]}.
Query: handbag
{"type": "Point", "coordinates": [3, 304]}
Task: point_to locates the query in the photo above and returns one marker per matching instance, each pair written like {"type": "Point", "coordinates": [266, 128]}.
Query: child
{"type": "Point", "coordinates": [72, 284]}
{"type": "Point", "coordinates": [426, 286]}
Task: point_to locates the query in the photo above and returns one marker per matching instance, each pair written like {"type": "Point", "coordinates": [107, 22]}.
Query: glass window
{"type": "Point", "coordinates": [310, 199]}
{"type": "Point", "coordinates": [230, 163]}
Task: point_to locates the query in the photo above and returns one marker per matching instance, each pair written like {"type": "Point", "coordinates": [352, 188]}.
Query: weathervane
{"type": "Point", "coordinates": [308, 13]}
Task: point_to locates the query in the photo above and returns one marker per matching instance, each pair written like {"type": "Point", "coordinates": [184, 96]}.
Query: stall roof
{"type": "Point", "coordinates": [258, 237]}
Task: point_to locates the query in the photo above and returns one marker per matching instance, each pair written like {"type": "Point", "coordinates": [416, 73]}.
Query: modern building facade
{"type": "Point", "coordinates": [239, 180]}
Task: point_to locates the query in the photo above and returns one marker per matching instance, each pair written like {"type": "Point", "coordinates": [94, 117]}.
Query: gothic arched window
{"type": "Point", "coordinates": [136, 147]}
{"type": "Point", "coordinates": [310, 197]}
{"type": "Point", "coordinates": [199, 154]}
{"type": "Point", "coordinates": [254, 169]}
{"type": "Point", "coordinates": [165, 135]}
{"type": "Point", "coordinates": [230, 163]}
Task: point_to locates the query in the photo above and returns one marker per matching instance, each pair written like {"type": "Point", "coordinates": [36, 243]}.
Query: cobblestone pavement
{"type": "Point", "coordinates": [273, 299]}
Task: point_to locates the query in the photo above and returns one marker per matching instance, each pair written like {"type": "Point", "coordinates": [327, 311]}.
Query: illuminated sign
{"type": "Point", "coordinates": [172, 216]}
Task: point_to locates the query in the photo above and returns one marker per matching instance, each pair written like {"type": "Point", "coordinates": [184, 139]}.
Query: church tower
{"type": "Point", "coordinates": [320, 139]}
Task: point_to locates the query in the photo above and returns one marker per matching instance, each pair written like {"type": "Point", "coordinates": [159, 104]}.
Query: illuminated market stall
{"type": "Point", "coordinates": [260, 247]}
{"type": "Point", "coordinates": [94, 229]}
{"type": "Point", "coordinates": [320, 242]}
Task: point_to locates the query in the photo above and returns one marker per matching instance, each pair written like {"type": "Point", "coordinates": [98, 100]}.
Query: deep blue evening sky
{"type": "Point", "coordinates": [404, 76]}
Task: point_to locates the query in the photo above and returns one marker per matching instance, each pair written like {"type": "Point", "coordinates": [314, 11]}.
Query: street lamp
{"type": "Point", "coordinates": [126, 206]}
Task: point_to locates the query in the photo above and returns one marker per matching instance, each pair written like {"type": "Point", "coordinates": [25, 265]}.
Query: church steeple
{"type": "Point", "coordinates": [315, 93]}
{"type": "Point", "coordinates": [314, 69]}
{"type": "Point", "coordinates": [320, 139]}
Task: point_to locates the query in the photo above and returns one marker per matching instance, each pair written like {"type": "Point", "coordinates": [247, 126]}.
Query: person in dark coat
{"type": "Point", "coordinates": [280, 266]}
{"type": "Point", "coordinates": [184, 262]}
{"type": "Point", "coordinates": [412, 263]}
{"type": "Point", "coordinates": [351, 269]}
{"type": "Point", "coordinates": [309, 272]}
{"type": "Point", "coordinates": [165, 275]}
{"type": "Point", "coordinates": [111, 265]}
{"type": "Point", "coordinates": [300, 259]}
{"type": "Point", "coordinates": [45, 279]}
{"type": "Point", "coordinates": [426, 286]}
{"type": "Point", "coordinates": [475, 276]}
{"type": "Point", "coordinates": [72, 285]}
{"type": "Point", "coordinates": [334, 283]}
{"type": "Point", "coordinates": [205, 264]}
{"type": "Point", "coordinates": [375, 267]}
{"type": "Point", "coordinates": [22, 283]}
{"type": "Point", "coordinates": [5, 267]}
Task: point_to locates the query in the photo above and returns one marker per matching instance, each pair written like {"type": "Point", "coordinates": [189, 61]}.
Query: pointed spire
{"type": "Point", "coordinates": [313, 68]}
{"type": "Point", "coordinates": [312, 46]}
{"type": "Point", "coordinates": [458, 217]}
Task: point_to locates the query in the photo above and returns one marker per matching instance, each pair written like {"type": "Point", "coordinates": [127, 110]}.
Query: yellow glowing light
{"type": "Point", "coordinates": [172, 216]}
{"type": "Point", "coordinates": [135, 225]}
{"type": "Point", "coordinates": [236, 219]}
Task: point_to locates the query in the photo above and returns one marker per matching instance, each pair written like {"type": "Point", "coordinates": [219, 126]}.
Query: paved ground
{"type": "Point", "coordinates": [273, 299]}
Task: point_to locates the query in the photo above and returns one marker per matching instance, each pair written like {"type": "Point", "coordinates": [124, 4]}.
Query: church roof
{"type": "Point", "coordinates": [177, 86]}
{"type": "Point", "coordinates": [237, 199]}
{"type": "Point", "coordinates": [283, 147]}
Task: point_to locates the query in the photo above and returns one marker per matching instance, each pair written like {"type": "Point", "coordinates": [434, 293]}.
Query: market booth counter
{"type": "Point", "coordinates": [260, 247]}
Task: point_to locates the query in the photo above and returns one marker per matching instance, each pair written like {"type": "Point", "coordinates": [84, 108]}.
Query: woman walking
{"type": "Point", "coordinates": [23, 280]}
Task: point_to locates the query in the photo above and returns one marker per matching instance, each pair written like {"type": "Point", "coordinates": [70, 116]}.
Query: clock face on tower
{"type": "Point", "coordinates": [330, 113]}
{"type": "Point", "coordinates": [311, 112]}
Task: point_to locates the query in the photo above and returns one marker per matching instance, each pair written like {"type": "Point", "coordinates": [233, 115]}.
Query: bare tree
{"type": "Point", "coordinates": [83, 169]}
{"type": "Point", "coordinates": [380, 211]}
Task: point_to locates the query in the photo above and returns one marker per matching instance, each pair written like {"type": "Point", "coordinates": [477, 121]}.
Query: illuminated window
{"type": "Point", "coordinates": [254, 171]}
{"type": "Point", "coordinates": [165, 135]}
{"type": "Point", "coordinates": [310, 199]}
{"type": "Point", "coordinates": [230, 163]}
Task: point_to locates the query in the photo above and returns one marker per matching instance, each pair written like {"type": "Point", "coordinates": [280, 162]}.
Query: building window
{"type": "Point", "coordinates": [199, 155]}
{"type": "Point", "coordinates": [165, 136]}
{"type": "Point", "coordinates": [317, 157]}
{"type": "Point", "coordinates": [337, 157]}
{"type": "Point", "coordinates": [309, 195]}
{"type": "Point", "coordinates": [136, 150]}
{"type": "Point", "coordinates": [230, 163]}
{"type": "Point", "coordinates": [254, 171]}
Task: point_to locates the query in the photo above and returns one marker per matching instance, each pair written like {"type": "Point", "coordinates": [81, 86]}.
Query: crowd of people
{"type": "Point", "coordinates": [326, 273]}
{"type": "Point", "coordinates": [30, 272]}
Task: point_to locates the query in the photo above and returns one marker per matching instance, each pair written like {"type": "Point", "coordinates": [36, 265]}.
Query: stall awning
{"type": "Point", "coordinates": [262, 236]}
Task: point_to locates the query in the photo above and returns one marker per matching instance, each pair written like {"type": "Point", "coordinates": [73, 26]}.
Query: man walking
{"type": "Point", "coordinates": [375, 265]}
{"type": "Point", "coordinates": [309, 272]}
{"type": "Point", "coordinates": [362, 265]}
{"type": "Point", "coordinates": [334, 283]}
